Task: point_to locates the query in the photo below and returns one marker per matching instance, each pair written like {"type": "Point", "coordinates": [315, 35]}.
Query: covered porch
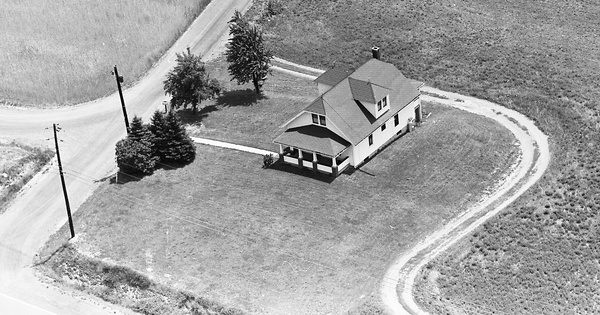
{"type": "Point", "coordinates": [332, 165]}
{"type": "Point", "coordinates": [314, 148]}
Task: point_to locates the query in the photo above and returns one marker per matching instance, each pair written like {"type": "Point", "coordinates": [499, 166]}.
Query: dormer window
{"type": "Point", "coordinates": [319, 119]}
{"type": "Point", "coordinates": [382, 103]}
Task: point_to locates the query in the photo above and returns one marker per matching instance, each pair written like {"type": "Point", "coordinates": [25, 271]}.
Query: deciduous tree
{"type": "Point", "coordinates": [189, 83]}
{"type": "Point", "coordinates": [247, 54]}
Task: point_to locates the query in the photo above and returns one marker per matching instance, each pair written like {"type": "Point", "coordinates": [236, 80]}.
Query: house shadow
{"type": "Point", "coordinates": [247, 97]}
{"type": "Point", "coordinates": [302, 172]}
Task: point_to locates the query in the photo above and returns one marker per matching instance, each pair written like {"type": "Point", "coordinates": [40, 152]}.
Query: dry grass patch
{"type": "Point", "coordinates": [18, 164]}
{"type": "Point", "coordinates": [271, 241]}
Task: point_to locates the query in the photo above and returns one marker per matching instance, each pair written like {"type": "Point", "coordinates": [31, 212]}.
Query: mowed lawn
{"type": "Point", "coordinates": [62, 52]}
{"type": "Point", "coordinates": [240, 116]}
{"type": "Point", "coordinates": [270, 241]}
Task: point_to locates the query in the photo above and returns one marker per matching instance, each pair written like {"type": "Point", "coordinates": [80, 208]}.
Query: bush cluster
{"type": "Point", "coordinates": [163, 141]}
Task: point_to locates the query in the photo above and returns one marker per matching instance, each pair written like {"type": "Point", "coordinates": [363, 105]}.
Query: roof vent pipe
{"type": "Point", "coordinates": [376, 52]}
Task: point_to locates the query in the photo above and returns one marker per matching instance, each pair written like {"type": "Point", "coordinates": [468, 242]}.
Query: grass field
{"type": "Point", "coordinates": [540, 256]}
{"type": "Point", "coordinates": [62, 52]}
{"type": "Point", "coordinates": [269, 241]}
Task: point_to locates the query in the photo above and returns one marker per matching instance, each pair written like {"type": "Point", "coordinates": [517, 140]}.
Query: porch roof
{"type": "Point", "coordinates": [313, 138]}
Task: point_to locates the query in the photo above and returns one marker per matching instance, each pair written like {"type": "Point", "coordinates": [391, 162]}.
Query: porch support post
{"type": "Point", "coordinates": [300, 158]}
{"type": "Point", "coordinates": [334, 167]}
{"type": "Point", "coordinates": [280, 153]}
{"type": "Point", "coordinates": [315, 168]}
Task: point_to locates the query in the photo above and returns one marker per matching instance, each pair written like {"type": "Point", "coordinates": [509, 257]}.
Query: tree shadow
{"type": "Point", "coordinates": [168, 166]}
{"type": "Point", "coordinates": [247, 97]}
{"type": "Point", "coordinates": [189, 116]}
{"type": "Point", "coordinates": [122, 178]}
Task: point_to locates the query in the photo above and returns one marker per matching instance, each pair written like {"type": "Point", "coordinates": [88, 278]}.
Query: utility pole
{"type": "Point", "coordinates": [119, 80]}
{"type": "Point", "coordinates": [62, 180]}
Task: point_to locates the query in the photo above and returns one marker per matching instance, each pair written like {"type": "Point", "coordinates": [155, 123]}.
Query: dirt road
{"type": "Point", "coordinates": [397, 292]}
{"type": "Point", "coordinates": [89, 132]}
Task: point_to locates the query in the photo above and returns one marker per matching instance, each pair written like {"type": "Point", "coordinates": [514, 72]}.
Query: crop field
{"type": "Point", "coordinates": [57, 53]}
{"type": "Point", "coordinates": [276, 241]}
{"type": "Point", "coordinates": [542, 255]}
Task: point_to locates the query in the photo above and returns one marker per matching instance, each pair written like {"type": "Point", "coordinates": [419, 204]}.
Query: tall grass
{"type": "Point", "coordinates": [62, 52]}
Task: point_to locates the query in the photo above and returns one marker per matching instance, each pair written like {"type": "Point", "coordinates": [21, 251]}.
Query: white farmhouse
{"type": "Point", "coordinates": [357, 113]}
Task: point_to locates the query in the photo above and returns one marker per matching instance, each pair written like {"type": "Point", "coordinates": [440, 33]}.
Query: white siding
{"type": "Point", "coordinates": [305, 119]}
{"type": "Point", "coordinates": [302, 120]}
{"type": "Point", "coordinates": [362, 150]}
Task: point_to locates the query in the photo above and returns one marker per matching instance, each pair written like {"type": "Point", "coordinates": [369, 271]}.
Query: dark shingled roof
{"type": "Point", "coordinates": [366, 91]}
{"type": "Point", "coordinates": [333, 76]}
{"type": "Point", "coordinates": [313, 138]}
{"type": "Point", "coordinates": [316, 106]}
{"type": "Point", "coordinates": [343, 105]}
{"type": "Point", "coordinates": [354, 121]}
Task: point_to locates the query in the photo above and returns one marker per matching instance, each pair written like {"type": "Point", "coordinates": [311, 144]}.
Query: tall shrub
{"type": "Point", "coordinates": [135, 154]}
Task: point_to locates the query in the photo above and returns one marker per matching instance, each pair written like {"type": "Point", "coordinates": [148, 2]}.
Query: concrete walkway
{"type": "Point", "coordinates": [234, 146]}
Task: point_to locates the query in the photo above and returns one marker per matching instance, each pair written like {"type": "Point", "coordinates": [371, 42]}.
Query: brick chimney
{"type": "Point", "coordinates": [376, 52]}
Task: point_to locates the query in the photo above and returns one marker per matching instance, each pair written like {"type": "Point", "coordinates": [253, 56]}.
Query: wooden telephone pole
{"type": "Point", "coordinates": [62, 180]}
{"type": "Point", "coordinates": [119, 80]}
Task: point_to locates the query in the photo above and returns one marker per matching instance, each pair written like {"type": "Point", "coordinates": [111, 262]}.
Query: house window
{"type": "Point", "coordinates": [383, 127]}
{"type": "Point", "coordinates": [315, 118]}
{"type": "Point", "coordinates": [379, 105]}
{"type": "Point", "coordinates": [396, 120]}
{"type": "Point", "coordinates": [370, 139]}
{"type": "Point", "coordinates": [322, 120]}
{"type": "Point", "coordinates": [384, 101]}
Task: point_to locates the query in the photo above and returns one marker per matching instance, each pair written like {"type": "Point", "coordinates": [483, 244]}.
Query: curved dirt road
{"type": "Point", "coordinates": [397, 289]}
{"type": "Point", "coordinates": [535, 157]}
{"type": "Point", "coordinates": [90, 132]}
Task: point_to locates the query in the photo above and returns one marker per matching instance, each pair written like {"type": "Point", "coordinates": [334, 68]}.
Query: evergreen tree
{"type": "Point", "coordinates": [158, 128]}
{"type": "Point", "coordinates": [248, 57]}
{"type": "Point", "coordinates": [179, 146]}
{"type": "Point", "coordinates": [135, 154]}
{"type": "Point", "coordinates": [189, 83]}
